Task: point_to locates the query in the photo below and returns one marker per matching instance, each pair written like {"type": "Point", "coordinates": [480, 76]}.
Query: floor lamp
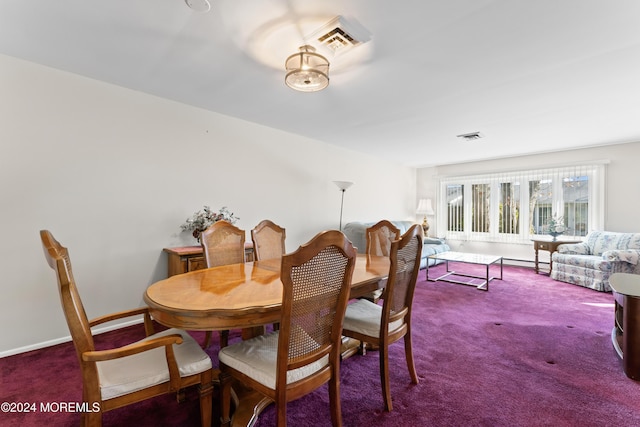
{"type": "Point", "coordinates": [342, 185]}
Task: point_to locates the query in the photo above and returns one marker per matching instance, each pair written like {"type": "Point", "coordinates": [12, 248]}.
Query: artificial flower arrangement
{"type": "Point", "coordinates": [202, 219]}
{"type": "Point", "coordinates": [555, 226]}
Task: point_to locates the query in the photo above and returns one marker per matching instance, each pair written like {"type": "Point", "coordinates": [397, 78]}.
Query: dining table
{"type": "Point", "coordinates": [244, 296]}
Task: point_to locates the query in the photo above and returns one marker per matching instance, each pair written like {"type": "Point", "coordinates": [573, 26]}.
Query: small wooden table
{"type": "Point", "coordinates": [625, 335]}
{"type": "Point", "coordinates": [546, 244]}
{"type": "Point", "coordinates": [240, 296]}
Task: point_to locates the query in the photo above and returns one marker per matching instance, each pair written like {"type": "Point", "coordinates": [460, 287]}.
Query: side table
{"type": "Point", "coordinates": [625, 335]}
{"type": "Point", "coordinates": [545, 244]}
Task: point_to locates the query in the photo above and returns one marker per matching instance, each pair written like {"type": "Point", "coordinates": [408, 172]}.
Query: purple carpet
{"type": "Point", "coordinates": [530, 352]}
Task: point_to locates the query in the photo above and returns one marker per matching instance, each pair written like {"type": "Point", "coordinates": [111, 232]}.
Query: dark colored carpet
{"type": "Point", "coordinates": [530, 352]}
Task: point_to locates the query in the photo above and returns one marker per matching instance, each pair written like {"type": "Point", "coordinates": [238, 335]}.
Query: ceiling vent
{"type": "Point", "coordinates": [338, 36]}
{"type": "Point", "coordinates": [470, 136]}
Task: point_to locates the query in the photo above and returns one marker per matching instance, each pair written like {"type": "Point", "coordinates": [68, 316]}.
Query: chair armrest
{"type": "Point", "coordinates": [148, 325]}
{"type": "Point", "coordinates": [630, 256]}
{"type": "Point", "coordinates": [574, 248]}
{"type": "Point", "coordinates": [119, 315]}
{"type": "Point", "coordinates": [128, 350]}
{"type": "Point", "coordinates": [166, 341]}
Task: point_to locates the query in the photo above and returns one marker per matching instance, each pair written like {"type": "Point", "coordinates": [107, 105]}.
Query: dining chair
{"type": "Point", "coordinates": [268, 243]}
{"type": "Point", "coordinates": [161, 363]}
{"type": "Point", "coordinates": [268, 240]}
{"type": "Point", "coordinates": [385, 324]}
{"type": "Point", "coordinates": [304, 353]}
{"type": "Point", "coordinates": [222, 244]}
{"type": "Point", "coordinates": [378, 239]}
{"type": "Point", "coordinates": [380, 236]}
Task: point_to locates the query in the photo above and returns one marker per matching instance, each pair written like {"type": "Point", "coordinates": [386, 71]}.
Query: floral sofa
{"type": "Point", "coordinates": [355, 232]}
{"type": "Point", "coordinates": [591, 262]}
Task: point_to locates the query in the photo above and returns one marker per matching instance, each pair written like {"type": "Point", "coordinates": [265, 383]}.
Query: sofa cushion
{"type": "Point", "coordinates": [601, 241]}
{"type": "Point", "coordinates": [583, 261]}
{"type": "Point", "coordinates": [355, 232]}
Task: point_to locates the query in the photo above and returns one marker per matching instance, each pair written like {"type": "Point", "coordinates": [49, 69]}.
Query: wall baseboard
{"type": "Point", "coordinates": [62, 340]}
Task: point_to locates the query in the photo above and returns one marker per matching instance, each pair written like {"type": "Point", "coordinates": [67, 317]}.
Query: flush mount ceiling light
{"type": "Point", "coordinates": [307, 71]}
{"type": "Point", "coordinates": [199, 5]}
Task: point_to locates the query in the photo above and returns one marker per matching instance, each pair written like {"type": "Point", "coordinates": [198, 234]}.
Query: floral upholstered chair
{"type": "Point", "coordinates": [592, 262]}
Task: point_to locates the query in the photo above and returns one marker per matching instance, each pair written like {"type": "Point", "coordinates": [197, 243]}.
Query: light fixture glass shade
{"type": "Point", "coordinates": [199, 5]}
{"type": "Point", "coordinates": [425, 207]}
{"type": "Point", "coordinates": [307, 71]}
{"type": "Point", "coordinates": [343, 185]}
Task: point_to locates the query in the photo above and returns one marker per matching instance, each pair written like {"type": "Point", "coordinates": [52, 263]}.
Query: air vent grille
{"type": "Point", "coordinates": [337, 39]}
{"type": "Point", "coordinates": [470, 136]}
{"type": "Point", "coordinates": [337, 36]}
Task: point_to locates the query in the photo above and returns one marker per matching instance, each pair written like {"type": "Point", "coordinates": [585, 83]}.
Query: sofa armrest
{"type": "Point", "coordinates": [631, 256]}
{"type": "Point", "coordinates": [432, 241]}
{"type": "Point", "coordinates": [574, 248]}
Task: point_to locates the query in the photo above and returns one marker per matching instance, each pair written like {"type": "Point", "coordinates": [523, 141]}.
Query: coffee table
{"type": "Point", "coordinates": [466, 258]}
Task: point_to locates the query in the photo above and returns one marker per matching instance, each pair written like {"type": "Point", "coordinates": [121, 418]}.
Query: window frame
{"type": "Point", "coordinates": [596, 173]}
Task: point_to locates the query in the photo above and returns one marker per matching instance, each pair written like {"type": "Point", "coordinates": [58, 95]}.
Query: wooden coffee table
{"type": "Point", "coordinates": [466, 258]}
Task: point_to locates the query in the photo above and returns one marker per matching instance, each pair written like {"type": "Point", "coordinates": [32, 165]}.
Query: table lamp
{"type": "Point", "coordinates": [425, 208]}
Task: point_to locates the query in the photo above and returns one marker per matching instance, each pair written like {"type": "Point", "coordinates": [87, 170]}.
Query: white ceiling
{"type": "Point", "coordinates": [531, 75]}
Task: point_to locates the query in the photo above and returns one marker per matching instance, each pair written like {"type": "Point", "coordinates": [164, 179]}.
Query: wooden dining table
{"type": "Point", "coordinates": [244, 296]}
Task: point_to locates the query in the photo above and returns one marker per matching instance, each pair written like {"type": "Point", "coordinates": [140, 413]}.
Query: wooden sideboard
{"type": "Point", "coordinates": [184, 259]}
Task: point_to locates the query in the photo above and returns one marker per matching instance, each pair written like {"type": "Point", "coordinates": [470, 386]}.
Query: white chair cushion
{"type": "Point", "coordinates": [364, 317]}
{"type": "Point", "coordinates": [256, 358]}
{"type": "Point", "coordinates": [139, 371]}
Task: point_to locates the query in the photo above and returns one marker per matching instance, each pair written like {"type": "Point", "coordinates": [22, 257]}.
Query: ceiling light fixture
{"type": "Point", "coordinates": [199, 5]}
{"type": "Point", "coordinates": [307, 71]}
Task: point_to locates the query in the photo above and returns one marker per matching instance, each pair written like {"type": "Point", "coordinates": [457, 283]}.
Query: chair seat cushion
{"type": "Point", "coordinates": [132, 373]}
{"type": "Point", "coordinates": [257, 357]}
{"type": "Point", "coordinates": [364, 317]}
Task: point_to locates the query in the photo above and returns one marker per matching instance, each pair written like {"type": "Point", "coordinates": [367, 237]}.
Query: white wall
{"type": "Point", "coordinates": [622, 191]}
{"type": "Point", "coordinates": [112, 173]}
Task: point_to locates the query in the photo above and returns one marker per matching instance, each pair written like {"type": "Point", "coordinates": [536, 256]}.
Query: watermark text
{"type": "Point", "coordinates": [50, 407]}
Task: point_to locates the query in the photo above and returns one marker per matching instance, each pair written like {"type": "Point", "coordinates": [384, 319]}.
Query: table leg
{"type": "Point", "coordinates": [488, 277]}
{"type": "Point", "coordinates": [536, 252]}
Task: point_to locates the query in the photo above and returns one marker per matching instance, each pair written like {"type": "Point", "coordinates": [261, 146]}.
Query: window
{"type": "Point", "coordinates": [515, 206]}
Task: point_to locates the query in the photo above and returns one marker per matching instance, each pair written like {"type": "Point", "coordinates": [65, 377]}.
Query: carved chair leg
{"type": "Point", "coordinates": [384, 377]}
{"type": "Point", "coordinates": [91, 419]}
{"type": "Point", "coordinates": [206, 398]}
{"type": "Point", "coordinates": [408, 350]}
{"type": "Point", "coordinates": [225, 399]}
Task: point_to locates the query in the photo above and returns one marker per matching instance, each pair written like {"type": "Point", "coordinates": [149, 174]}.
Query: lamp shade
{"type": "Point", "coordinates": [343, 185]}
{"type": "Point", "coordinates": [425, 207]}
{"type": "Point", "coordinates": [307, 71]}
